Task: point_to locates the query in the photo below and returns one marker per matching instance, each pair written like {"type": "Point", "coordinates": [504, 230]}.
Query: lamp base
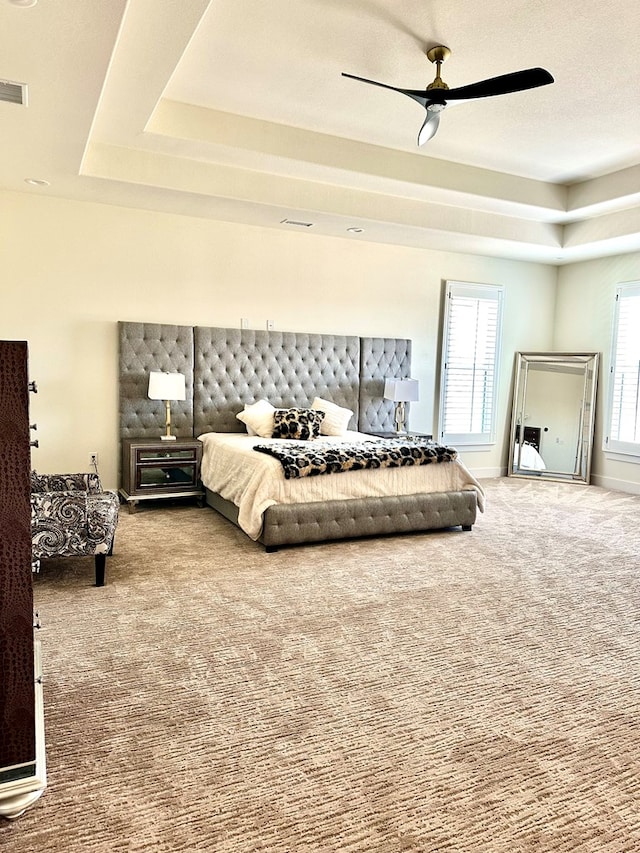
{"type": "Point", "coordinates": [400, 417]}
{"type": "Point", "coordinates": [168, 437]}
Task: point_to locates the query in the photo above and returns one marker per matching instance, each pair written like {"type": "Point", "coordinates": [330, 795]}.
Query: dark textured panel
{"type": "Point", "coordinates": [380, 359]}
{"type": "Point", "coordinates": [17, 694]}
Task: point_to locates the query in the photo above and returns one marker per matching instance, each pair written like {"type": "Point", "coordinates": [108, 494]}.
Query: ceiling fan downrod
{"type": "Point", "coordinates": [438, 55]}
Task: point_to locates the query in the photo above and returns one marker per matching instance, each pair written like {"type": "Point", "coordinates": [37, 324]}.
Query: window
{"type": "Point", "coordinates": [471, 348]}
{"type": "Point", "coordinates": [623, 434]}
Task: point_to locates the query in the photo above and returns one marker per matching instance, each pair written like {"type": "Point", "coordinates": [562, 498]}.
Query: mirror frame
{"type": "Point", "coordinates": [589, 363]}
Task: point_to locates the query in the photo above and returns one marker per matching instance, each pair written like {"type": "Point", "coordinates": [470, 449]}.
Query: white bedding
{"type": "Point", "coordinates": [527, 456]}
{"type": "Point", "coordinates": [255, 481]}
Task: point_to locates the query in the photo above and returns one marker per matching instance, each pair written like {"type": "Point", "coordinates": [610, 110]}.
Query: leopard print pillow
{"type": "Point", "coordinates": [301, 424]}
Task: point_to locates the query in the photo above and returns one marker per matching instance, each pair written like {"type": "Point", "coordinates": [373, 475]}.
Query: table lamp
{"type": "Point", "coordinates": [167, 387]}
{"type": "Point", "coordinates": [401, 391]}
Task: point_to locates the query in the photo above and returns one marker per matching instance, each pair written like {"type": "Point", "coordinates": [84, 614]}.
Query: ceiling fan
{"type": "Point", "coordinates": [437, 94]}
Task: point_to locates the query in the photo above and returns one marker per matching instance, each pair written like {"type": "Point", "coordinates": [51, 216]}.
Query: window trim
{"type": "Point", "coordinates": [627, 451]}
{"type": "Point", "coordinates": [470, 290]}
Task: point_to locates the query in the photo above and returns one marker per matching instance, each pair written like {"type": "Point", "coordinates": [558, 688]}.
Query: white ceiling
{"type": "Point", "coordinates": [237, 110]}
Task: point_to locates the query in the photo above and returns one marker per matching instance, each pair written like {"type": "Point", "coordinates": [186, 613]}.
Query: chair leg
{"type": "Point", "coordinates": [101, 562]}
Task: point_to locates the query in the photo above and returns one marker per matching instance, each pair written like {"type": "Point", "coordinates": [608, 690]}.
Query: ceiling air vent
{"type": "Point", "coordinates": [13, 93]}
{"type": "Point", "coordinates": [296, 222]}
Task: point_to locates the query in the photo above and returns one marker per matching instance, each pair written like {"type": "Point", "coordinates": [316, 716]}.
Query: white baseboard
{"type": "Point", "coordinates": [488, 473]}
{"type": "Point", "coordinates": [616, 485]}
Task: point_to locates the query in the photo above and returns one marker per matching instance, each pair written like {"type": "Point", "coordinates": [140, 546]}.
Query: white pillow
{"type": "Point", "coordinates": [336, 418]}
{"type": "Point", "coordinates": [258, 418]}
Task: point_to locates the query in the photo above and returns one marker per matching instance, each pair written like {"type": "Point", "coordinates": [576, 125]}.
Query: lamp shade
{"type": "Point", "coordinates": [401, 390]}
{"type": "Point", "coordinates": [166, 386]}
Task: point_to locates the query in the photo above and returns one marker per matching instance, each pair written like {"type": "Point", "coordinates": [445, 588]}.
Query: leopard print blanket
{"type": "Point", "coordinates": [306, 459]}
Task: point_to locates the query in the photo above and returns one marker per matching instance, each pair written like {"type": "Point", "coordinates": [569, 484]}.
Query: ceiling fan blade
{"type": "Point", "coordinates": [418, 95]}
{"type": "Point", "coordinates": [517, 81]}
{"type": "Point", "coordinates": [435, 99]}
{"type": "Point", "coordinates": [429, 128]}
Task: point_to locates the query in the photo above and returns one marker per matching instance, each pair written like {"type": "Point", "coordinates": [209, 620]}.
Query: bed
{"type": "Point", "coordinates": [527, 456]}
{"type": "Point", "coordinates": [228, 369]}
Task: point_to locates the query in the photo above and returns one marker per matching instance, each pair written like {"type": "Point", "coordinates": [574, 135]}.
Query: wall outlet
{"type": "Point", "coordinates": [244, 323]}
{"type": "Point", "coordinates": [93, 458]}
{"type": "Point", "coordinates": [271, 324]}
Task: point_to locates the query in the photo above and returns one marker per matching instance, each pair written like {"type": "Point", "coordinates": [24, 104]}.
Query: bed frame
{"type": "Point", "coordinates": [226, 368]}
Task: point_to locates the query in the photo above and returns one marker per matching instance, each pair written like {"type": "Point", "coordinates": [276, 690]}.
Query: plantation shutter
{"type": "Point", "coordinates": [471, 344]}
{"type": "Point", "coordinates": [624, 381]}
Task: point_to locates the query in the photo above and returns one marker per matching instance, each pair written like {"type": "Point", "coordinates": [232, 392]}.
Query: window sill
{"type": "Point", "coordinates": [633, 459]}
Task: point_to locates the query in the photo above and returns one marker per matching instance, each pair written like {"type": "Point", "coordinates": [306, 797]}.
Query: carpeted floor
{"type": "Point", "coordinates": [471, 692]}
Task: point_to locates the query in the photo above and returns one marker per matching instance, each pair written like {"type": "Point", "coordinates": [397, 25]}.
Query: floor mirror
{"type": "Point", "coordinates": [553, 416]}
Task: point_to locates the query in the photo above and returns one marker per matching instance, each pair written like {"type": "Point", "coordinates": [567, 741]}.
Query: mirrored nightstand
{"type": "Point", "coordinates": [153, 469]}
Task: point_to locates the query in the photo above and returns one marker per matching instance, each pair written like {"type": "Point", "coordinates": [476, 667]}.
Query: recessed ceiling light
{"type": "Point", "coordinates": [355, 230]}
{"type": "Point", "coordinates": [25, 4]}
{"type": "Point", "coordinates": [36, 182]}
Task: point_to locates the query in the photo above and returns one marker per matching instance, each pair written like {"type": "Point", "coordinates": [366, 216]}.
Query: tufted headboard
{"type": "Point", "coordinates": [226, 368]}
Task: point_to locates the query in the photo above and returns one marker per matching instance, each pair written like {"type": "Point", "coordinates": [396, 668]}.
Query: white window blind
{"type": "Point", "coordinates": [623, 435]}
{"type": "Point", "coordinates": [471, 347]}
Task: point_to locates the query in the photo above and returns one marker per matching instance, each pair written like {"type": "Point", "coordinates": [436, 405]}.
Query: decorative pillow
{"type": "Point", "coordinates": [250, 429]}
{"type": "Point", "coordinates": [302, 424]}
{"type": "Point", "coordinates": [258, 418]}
{"type": "Point", "coordinates": [336, 418]}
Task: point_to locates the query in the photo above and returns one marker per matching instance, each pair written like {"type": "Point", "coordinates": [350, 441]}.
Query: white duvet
{"type": "Point", "coordinates": [254, 481]}
{"type": "Point", "coordinates": [526, 456]}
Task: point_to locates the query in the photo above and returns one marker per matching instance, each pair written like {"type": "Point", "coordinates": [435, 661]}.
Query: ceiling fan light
{"type": "Point", "coordinates": [435, 108]}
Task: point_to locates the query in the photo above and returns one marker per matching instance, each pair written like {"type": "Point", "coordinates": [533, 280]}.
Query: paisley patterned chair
{"type": "Point", "coordinates": [72, 516]}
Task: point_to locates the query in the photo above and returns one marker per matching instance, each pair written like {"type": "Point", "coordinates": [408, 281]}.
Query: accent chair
{"type": "Point", "coordinates": [72, 516]}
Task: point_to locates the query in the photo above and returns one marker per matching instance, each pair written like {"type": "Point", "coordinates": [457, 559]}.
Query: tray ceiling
{"type": "Point", "coordinates": [237, 110]}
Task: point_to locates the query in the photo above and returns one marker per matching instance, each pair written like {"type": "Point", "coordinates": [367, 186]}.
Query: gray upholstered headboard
{"type": "Point", "coordinates": [151, 346]}
{"type": "Point", "coordinates": [226, 368]}
{"type": "Point", "coordinates": [238, 366]}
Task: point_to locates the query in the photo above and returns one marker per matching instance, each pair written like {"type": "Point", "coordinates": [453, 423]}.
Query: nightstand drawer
{"type": "Point", "coordinates": [151, 455]}
{"type": "Point", "coordinates": [166, 476]}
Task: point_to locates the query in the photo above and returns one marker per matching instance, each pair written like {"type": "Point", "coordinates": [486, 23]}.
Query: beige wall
{"type": "Point", "coordinates": [584, 320]}
{"type": "Point", "coordinates": [70, 270]}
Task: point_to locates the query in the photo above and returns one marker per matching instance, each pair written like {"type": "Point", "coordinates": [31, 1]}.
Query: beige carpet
{"type": "Point", "coordinates": [451, 691]}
